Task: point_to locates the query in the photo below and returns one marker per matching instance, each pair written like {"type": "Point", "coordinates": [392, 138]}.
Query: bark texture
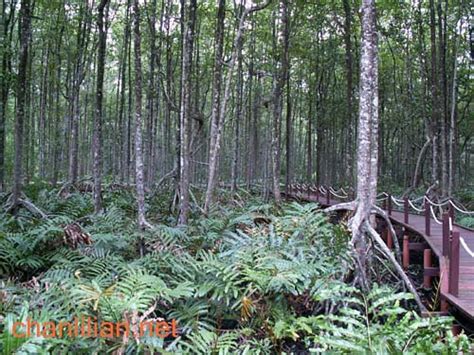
{"type": "Point", "coordinates": [139, 174]}
{"type": "Point", "coordinates": [277, 101]}
{"type": "Point", "coordinates": [22, 87]}
{"type": "Point", "coordinates": [97, 139]}
{"type": "Point", "coordinates": [189, 19]}
{"type": "Point", "coordinates": [367, 152]}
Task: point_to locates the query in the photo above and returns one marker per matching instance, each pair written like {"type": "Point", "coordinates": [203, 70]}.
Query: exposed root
{"type": "Point", "coordinates": [380, 212]}
{"type": "Point", "coordinates": [12, 207]}
{"type": "Point", "coordinates": [349, 206]}
{"type": "Point", "coordinates": [144, 224]}
{"type": "Point", "coordinates": [376, 237]}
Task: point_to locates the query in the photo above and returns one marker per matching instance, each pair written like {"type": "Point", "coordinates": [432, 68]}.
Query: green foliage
{"type": "Point", "coordinates": [467, 221]}
{"type": "Point", "coordinates": [249, 280]}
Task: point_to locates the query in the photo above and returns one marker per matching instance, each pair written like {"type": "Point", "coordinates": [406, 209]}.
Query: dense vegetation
{"type": "Point", "coordinates": [251, 278]}
{"type": "Point", "coordinates": [147, 152]}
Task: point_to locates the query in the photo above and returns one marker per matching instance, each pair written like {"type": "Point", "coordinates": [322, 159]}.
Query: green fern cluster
{"type": "Point", "coordinates": [251, 279]}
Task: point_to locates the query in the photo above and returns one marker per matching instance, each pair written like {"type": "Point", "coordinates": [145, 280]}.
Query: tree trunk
{"type": "Point", "coordinates": [79, 68]}
{"type": "Point", "coordinates": [367, 152]}
{"type": "Point", "coordinates": [22, 87]}
{"type": "Point", "coordinates": [151, 98]}
{"type": "Point", "coordinates": [42, 118]}
{"type": "Point", "coordinates": [188, 19]}
{"type": "Point", "coordinates": [215, 149]}
{"type": "Point", "coordinates": [238, 120]}
{"type": "Point", "coordinates": [349, 87]}
{"type": "Point", "coordinates": [4, 86]}
{"type": "Point", "coordinates": [452, 128]}
{"type": "Point", "coordinates": [216, 102]}
{"type": "Point", "coordinates": [444, 100]}
{"type": "Point", "coordinates": [434, 84]}
{"type": "Point", "coordinates": [97, 139]}
{"type": "Point", "coordinates": [309, 158]}
{"type": "Point", "coordinates": [139, 174]}
{"type": "Point", "coordinates": [289, 167]}
{"type": "Point", "coordinates": [123, 156]}
{"type": "Point", "coordinates": [277, 100]}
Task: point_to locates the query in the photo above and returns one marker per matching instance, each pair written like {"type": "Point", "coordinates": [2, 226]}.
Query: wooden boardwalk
{"type": "Point", "coordinates": [463, 299]}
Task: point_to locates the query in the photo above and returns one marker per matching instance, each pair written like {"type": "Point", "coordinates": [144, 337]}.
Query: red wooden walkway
{"type": "Point", "coordinates": [457, 280]}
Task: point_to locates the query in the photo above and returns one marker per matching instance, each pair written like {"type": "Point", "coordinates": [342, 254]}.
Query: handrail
{"type": "Point", "coordinates": [452, 240]}
{"type": "Point", "coordinates": [341, 193]}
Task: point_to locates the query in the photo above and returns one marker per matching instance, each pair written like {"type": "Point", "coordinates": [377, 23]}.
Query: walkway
{"type": "Point", "coordinates": [457, 287]}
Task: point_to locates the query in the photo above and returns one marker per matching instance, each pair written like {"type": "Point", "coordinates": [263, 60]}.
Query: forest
{"type": "Point", "coordinates": [236, 176]}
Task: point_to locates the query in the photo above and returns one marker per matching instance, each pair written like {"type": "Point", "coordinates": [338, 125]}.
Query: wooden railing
{"type": "Point", "coordinates": [451, 239]}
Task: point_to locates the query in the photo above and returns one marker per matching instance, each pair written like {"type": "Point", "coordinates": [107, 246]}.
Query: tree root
{"type": "Point", "coordinates": [11, 207]}
{"type": "Point", "coordinates": [376, 237]}
{"type": "Point", "coordinates": [351, 206]}
{"type": "Point", "coordinates": [380, 212]}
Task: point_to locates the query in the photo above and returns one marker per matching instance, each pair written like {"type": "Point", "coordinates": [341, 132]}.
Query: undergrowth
{"type": "Point", "coordinates": [249, 279]}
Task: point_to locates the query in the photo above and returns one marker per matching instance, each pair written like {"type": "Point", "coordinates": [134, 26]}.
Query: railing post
{"type": "Point", "coordinates": [309, 191]}
{"type": "Point", "coordinates": [405, 210]}
{"type": "Point", "coordinates": [389, 199]}
{"type": "Point", "coordinates": [406, 252]}
{"type": "Point", "coordinates": [427, 217]}
{"type": "Point", "coordinates": [445, 234]}
{"type": "Point", "coordinates": [427, 264]}
{"type": "Point", "coordinates": [328, 196]}
{"type": "Point", "coordinates": [454, 265]}
{"type": "Point", "coordinates": [317, 193]}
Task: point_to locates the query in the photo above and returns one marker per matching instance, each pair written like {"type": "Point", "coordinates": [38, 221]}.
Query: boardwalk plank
{"type": "Point", "coordinates": [416, 223]}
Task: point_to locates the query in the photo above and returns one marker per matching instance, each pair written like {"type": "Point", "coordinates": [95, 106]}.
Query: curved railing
{"type": "Point", "coordinates": [423, 205]}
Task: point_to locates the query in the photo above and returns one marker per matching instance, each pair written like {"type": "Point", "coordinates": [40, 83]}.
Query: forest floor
{"type": "Point", "coordinates": [249, 278]}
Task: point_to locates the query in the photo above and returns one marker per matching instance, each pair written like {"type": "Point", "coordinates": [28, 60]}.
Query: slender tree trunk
{"type": "Point", "coordinates": [367, 152]}
{"type": "Point", "coordinates": [349, 88]}
{"type": "Point", "coordinates": [188, 19]}
{"type": "Point", "coordinates": [277, 101]}
{"type": "Point", "coordinates": [123, 156]}
{"type": "Point", "coordinates": [238, 120]}
{"type": "Point", "coordinates": [216, 102]}
{"type": "Point", "coordinates": [452, 128]}
{"type": "Point", "coordinates": [74, 94]}
{"type": "Point", "coordinates": [309, 158]}
{"type": "Point", "coordinates": [444, 100]}
{"type": "Point", "coordinates": [139, 174]}
{"type": "Point", "coordinates": [97, 140]}
{"type": "Point", "coordinates": [289, 167]}
{"type": "Point", "coordinates": [42, 118]}
{"type": "Point", "coordinates": [4, 88]}
{"type": "Point", "coordinates": [151, 98]}
{"type": "Point", "coordinates": [434, 83]}
{"type": "Point", "coordinates": [215, 149]}
{"type": "Point", "coordinates": [22, 87]}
